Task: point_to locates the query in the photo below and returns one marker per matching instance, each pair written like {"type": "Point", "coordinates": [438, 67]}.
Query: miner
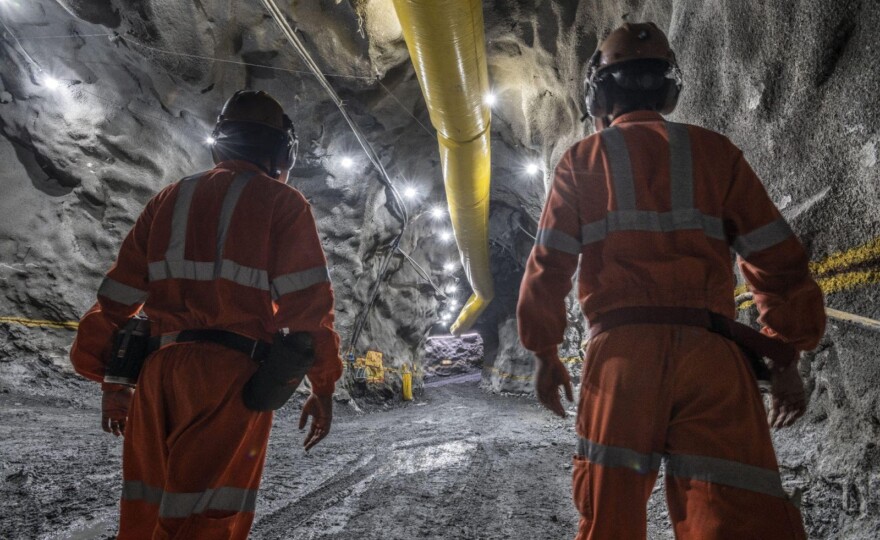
{"type": "Point", "coordinates": [229, 270]}
{"type": "Point", "coordinates": [647, 211]}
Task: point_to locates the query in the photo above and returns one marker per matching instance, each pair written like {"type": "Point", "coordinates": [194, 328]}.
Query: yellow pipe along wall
{"type": "Point", "coordinates": [446, 43]}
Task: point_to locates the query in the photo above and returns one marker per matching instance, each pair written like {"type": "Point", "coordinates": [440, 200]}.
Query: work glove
{"type": "Point", "coordinates": [788, 398]}
{"type": "Point", "coordinates": [114, 407]}
{"type": "Point", "coordinates": [320, 408]}
{"type": "Point", "coordinates": [550, 374]}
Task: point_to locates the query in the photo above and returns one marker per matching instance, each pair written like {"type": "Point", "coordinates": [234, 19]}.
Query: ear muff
{"type": "Point", "coordinates": [595, 98]}
{"type": "Point", "coordinates": [285, 152]}
{"type": "Point", "coordinates": [599, 85]}
{"type": "Point", "coordinates": [675, 84]}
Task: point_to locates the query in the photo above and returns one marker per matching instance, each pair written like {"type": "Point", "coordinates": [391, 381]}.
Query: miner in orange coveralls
{"type": "Point", "coordinates": [220, 262]}
{"type": "Point", "coordinates": [651, 209]}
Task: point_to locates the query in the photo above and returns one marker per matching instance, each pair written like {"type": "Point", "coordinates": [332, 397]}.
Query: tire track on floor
{"type": "Point", "coordinates": [294, 515]}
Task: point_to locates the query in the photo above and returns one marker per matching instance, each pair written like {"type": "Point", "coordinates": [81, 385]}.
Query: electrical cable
{"type": "Point", "coordinates": [402, 106]}
{"type": "Point", "coordinates": [532, 236]}
{"type": "Point", "coordinates": [315, 70]}
{"type": "Point", "coordinates": [21, 47]}
{"type": "Point", "coordinates": [306, 57]}
{"type": "Point", "coordinates": [220, 60]}
{"type": "Point", "coordinates": [422, 272]}
{"type": "Point", "coordinates": [237, 62]}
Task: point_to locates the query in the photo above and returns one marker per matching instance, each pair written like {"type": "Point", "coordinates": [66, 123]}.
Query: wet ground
{"type": "Point", "coordinates": [457, 463]}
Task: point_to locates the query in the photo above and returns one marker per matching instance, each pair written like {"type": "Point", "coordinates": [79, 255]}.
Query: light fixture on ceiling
{"type": "Point", "coordinates": [51, 82]}
{"type": "Point", "coordinates": [437, 212]}
{"type": "Point", "coordinates": [445, 236]}
{"type": "Point", "coordinates": [410, 192]}
{"type": "Point", "coordinates": [533, 168]}
{"type": "Point", "coordinates": [347, 162]}
{"type": "Point", "coordinates": [490, 99]}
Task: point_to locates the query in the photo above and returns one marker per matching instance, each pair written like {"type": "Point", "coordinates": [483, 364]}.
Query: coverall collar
{"type": "Point", "coordinates": [638, 116]}
{"type": "Point", "coordinates": [239, 165]}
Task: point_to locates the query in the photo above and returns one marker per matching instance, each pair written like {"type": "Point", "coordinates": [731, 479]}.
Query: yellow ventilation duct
{"type": "Point", "coordinates": [447, 46]}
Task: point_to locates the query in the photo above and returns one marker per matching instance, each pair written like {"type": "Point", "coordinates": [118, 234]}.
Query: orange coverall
{"type": "Point", "coordinates": [229, 249]}
{"type": "Point", "coordinates": [651, 209]}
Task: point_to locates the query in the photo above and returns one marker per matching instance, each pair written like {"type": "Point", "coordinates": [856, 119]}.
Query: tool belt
{"type": "Point", "coordinates": [754, 344]}
{"type": "Point", "coordinates": [254, 348]}
{"type": "Point", "coordinates": [283, 363]}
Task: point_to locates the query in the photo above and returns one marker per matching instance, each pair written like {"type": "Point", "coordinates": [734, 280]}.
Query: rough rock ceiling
{"type": "Point", "coordinates": [793, 84]}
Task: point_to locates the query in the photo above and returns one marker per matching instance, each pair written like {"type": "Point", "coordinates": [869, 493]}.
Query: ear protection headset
{"type": "Point", "coordinates": [280, 145]}
{"type": "Point", "coordinates": [596, 85]}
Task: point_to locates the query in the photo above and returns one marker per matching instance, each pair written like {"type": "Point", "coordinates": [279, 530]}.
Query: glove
{"type": "Point", "coordinates": [550, 374]}
{"type": "Point", "coordinates": [320, 408]}
{"type": "Point", "coordinates": [114, 407]}
{"type": "Point", "coordinates": [789, 401]}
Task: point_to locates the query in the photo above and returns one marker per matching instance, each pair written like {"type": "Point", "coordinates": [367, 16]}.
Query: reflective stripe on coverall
{"type": "Point", "coordinates": [228, 249]}
{"type": "Point", "coordinates": [650, 209]}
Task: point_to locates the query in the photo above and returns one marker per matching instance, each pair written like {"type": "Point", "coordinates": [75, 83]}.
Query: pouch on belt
{"type": "Point", "coordinates": [280, 373]}
{"type": "Point", "coordinates": [131, 346]}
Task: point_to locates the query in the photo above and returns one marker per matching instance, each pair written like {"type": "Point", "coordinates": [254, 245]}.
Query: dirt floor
{"type": "Point", "coordinates": [456, 463]}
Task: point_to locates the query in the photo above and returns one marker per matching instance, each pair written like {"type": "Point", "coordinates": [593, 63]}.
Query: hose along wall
{"type": "Point", "coordinates": [446, 42]}
{"type": "Point", "coordinates": [298, 46]}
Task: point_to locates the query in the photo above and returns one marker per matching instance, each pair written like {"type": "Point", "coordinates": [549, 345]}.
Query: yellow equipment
{"type": "Point", "coordinates": [446, 42]}
{"type": "Point", "coordinates": [375, 370]}
{"type": "Point", "coordinates": [406, 377]}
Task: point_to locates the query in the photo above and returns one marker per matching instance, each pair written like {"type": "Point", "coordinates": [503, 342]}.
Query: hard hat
{"type": "Point", "coordinates": [255, 119]}
{"type": "Point", "coordinates": [643, 43]}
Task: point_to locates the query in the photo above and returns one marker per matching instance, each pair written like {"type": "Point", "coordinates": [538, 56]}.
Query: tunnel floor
{"type": "Point", "coordinates": [456, 463]}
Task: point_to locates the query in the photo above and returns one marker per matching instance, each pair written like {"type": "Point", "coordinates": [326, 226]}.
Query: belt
{"type": "Point", "coordinates": [254, 348]}
{"type": "Point", "coordinates": [752, 342]}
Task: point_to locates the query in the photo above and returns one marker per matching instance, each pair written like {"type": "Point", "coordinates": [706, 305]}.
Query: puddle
{"type": "Point", "coordinates": [425, 459]}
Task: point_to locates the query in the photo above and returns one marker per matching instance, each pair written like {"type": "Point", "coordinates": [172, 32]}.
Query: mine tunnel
{"type": "Point", "coordinates": [430, 137]}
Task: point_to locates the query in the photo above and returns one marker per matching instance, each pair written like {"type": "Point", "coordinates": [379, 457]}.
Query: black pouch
{"type": "Point", "coordinates": [281, 372]}
{"type": "Point", "coordinates": [758, 365]}
{"type": "Point", "coordinates": [131, 346]}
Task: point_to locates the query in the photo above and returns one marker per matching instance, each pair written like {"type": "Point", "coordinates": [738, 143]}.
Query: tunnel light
{"type": "Point", "coordinates": [451, 288]}
{"type": "Point", "coordinates": [449, 266]}
{"type": "Point", "coordinates": [533, 168]}
{"type": "Point", "coordinates": [437, 212]}
{"type": "Point", "coordinates": [347, 162]}
{"type": "Point", "coordinates": [210, 140]}
{"type": "Point", "coordinates": [490, 99]}
{"type": "Point", "coordinates": [445, 236]}
{"type": "Point", "coordinates": [90, 164]}
{"type": "Point", "coordinates": [445, 317]}
{"type": "Point", "coordinates": [410, 192]}
{"type": "Point", "coordinates": [51, 82]}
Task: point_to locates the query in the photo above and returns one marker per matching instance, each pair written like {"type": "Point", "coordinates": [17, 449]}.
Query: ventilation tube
{"type": "Point", "coordinates": [446, 42]}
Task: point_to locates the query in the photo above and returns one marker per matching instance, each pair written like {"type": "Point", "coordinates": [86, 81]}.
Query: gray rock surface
{"type": "Point", "coordinates": [795, 85]}
{"type": "Point", "coordinates": [445, 356]}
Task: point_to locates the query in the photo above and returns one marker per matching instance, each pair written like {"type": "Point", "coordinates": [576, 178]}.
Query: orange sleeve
{"type": "Point", "coordinates": [121, 295]}
{"type": "Point", "coordinates": [300, 285]}
{"type": "Point", "coordinates": [541, 314]}
{"type": "Point", "coordinates": [773, 262]}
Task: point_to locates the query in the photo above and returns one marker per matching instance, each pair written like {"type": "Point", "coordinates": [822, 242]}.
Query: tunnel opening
{"type": "Point", "coordinates": [449, 358]}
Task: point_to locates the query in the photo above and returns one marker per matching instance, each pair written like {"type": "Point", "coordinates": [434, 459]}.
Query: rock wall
{"type": "Point", "coordinates": [136, 99]}
{"type": "Point", "coordinates": [444, 357]}
{"type": "Point", "coordinates": [792, 83]}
